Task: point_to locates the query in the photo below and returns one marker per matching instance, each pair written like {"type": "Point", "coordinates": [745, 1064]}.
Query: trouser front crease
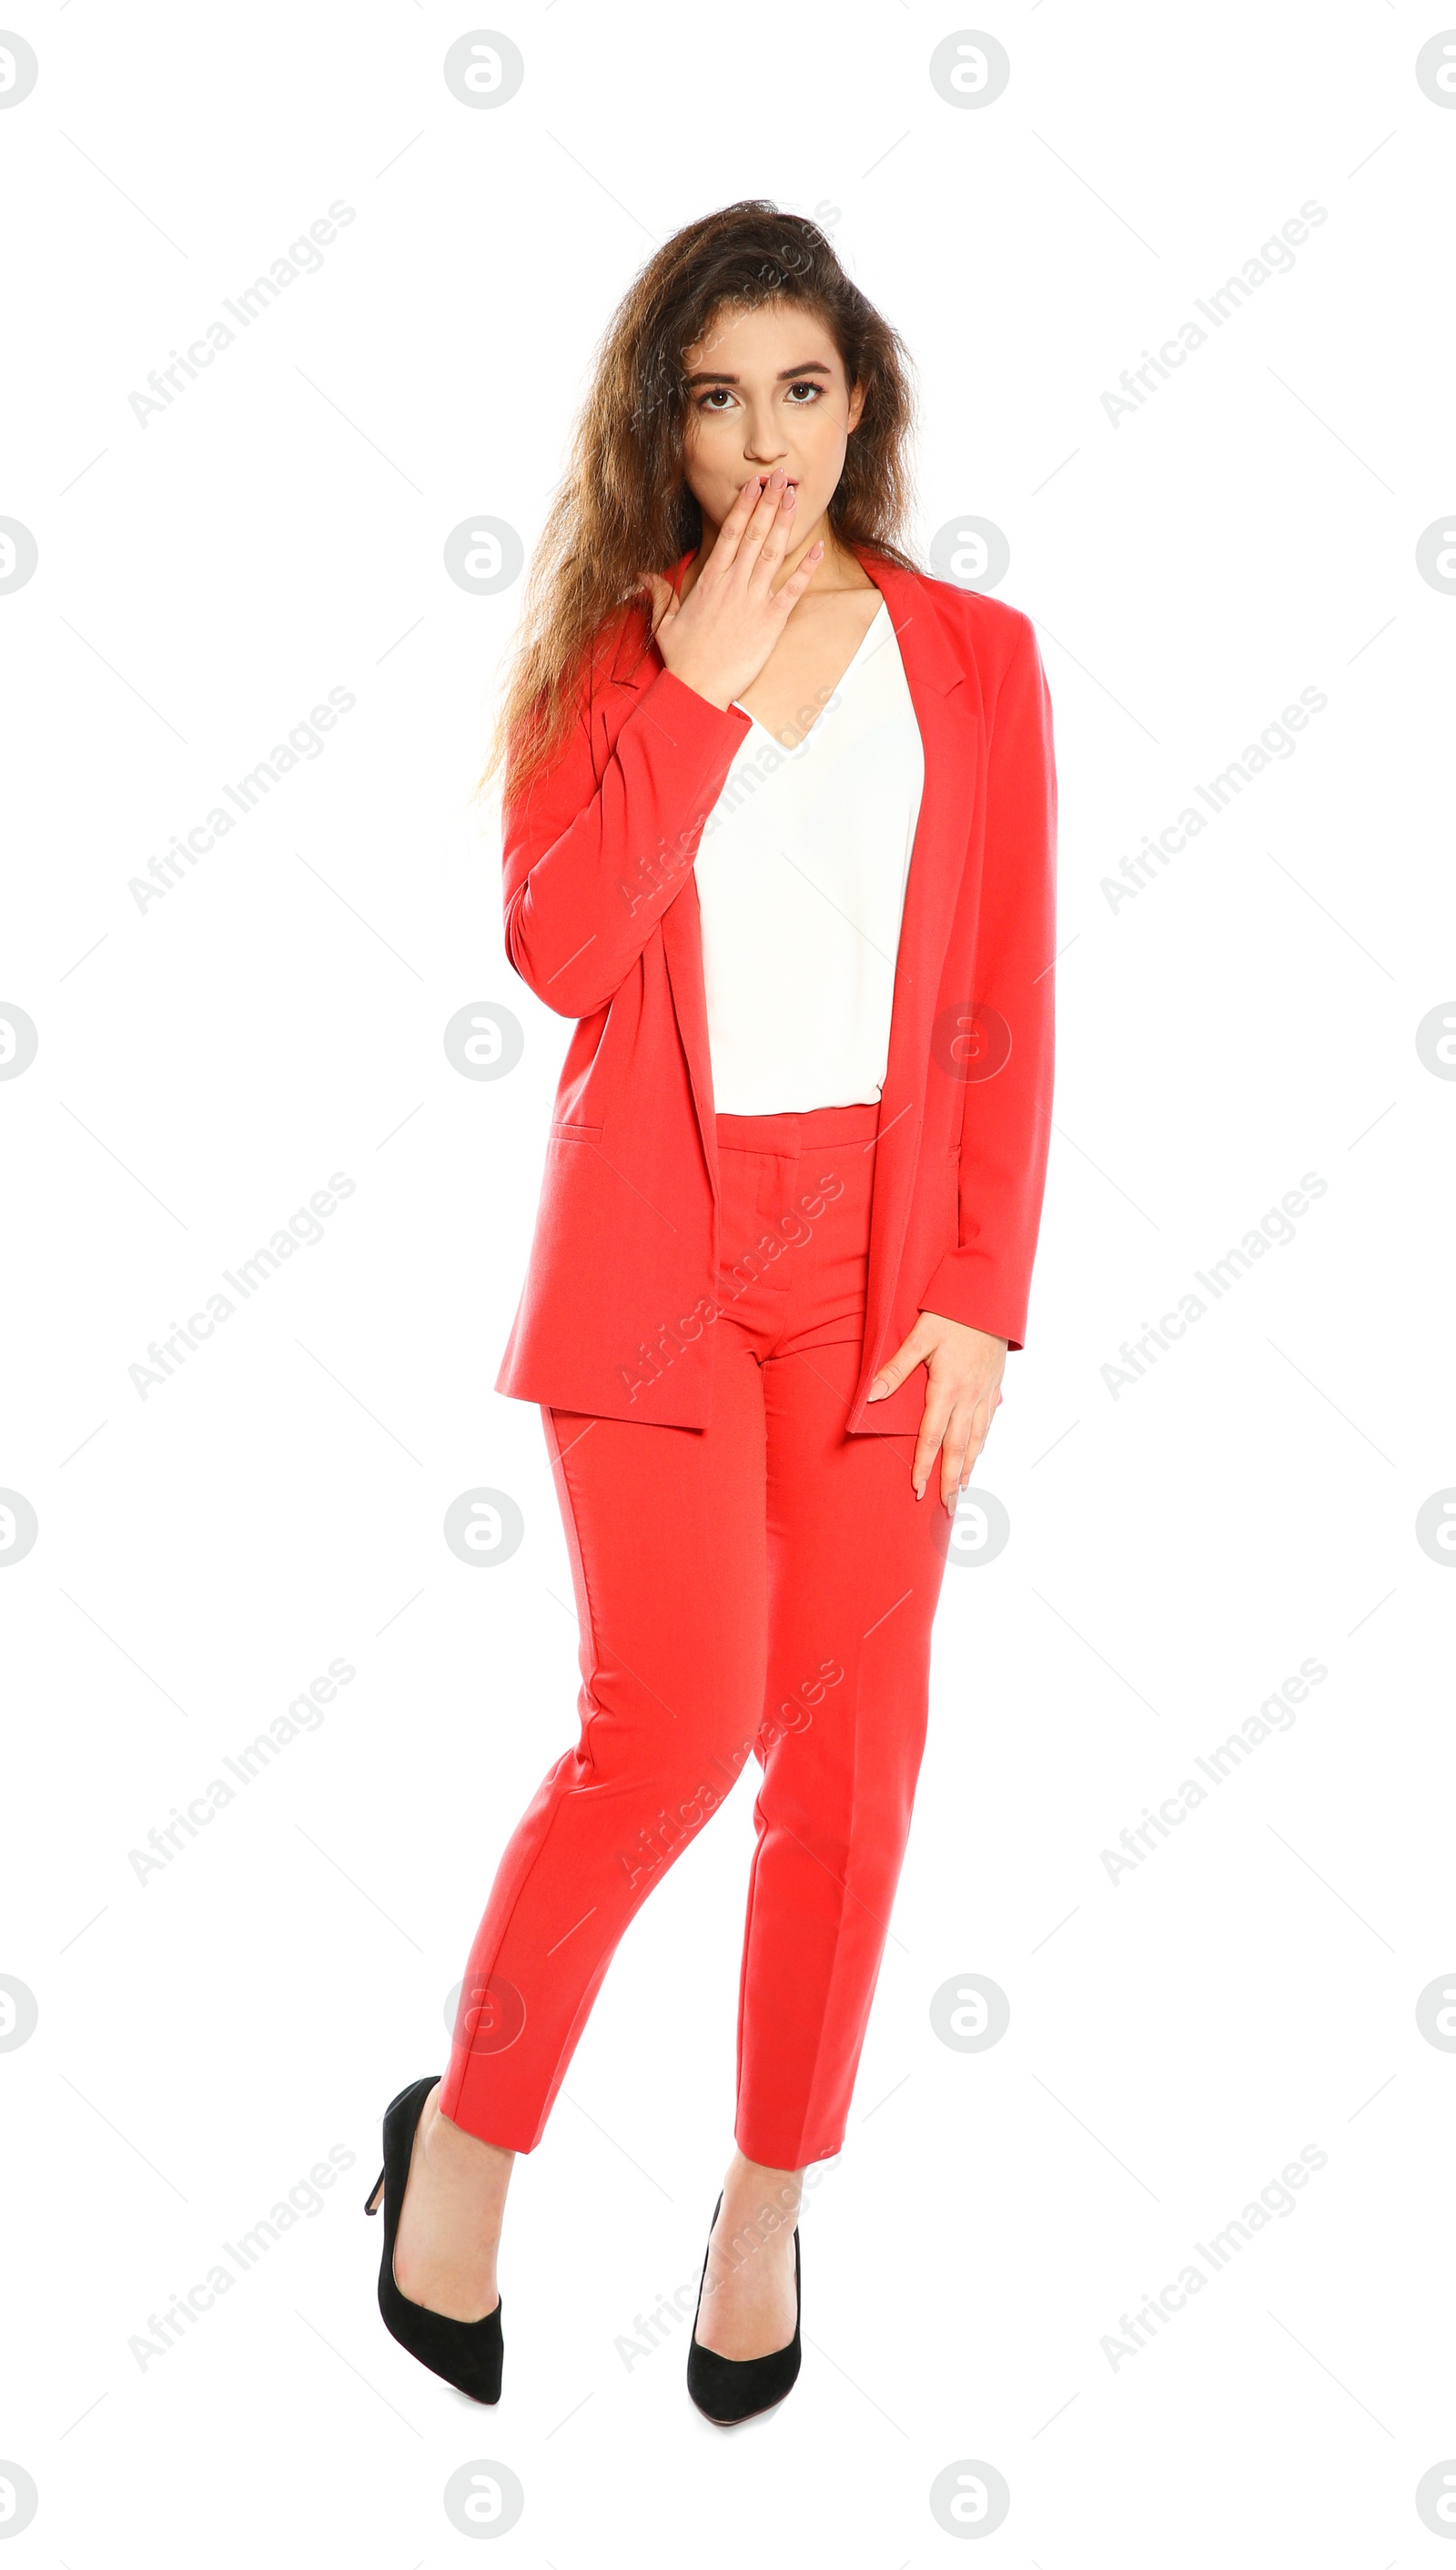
{"type": "Point", "coordinates": [764, 1587]}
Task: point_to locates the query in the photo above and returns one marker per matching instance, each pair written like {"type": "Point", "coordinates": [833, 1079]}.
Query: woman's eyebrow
{"type": "Point", "coordinates": [785, 374]}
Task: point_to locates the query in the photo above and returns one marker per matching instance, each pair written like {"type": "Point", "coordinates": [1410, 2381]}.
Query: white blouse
{"type": "Point", "coordinates": [801, 873]}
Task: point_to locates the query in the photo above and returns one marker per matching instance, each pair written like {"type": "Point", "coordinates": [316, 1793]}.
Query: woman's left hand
{"type": "Point", "coordinates": [961, 1401]}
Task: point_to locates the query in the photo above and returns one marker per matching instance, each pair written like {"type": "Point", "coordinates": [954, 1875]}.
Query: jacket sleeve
{"type": "Point", "coordinates": [1006, 1118]}
{"type": "Point", "coordinates": [590, 867]}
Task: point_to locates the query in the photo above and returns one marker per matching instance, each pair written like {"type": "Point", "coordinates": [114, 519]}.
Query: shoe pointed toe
{"type": "Point", "coordinates": [729, 2389]}
{"type": "Point", "coordinates": [468, 2355]}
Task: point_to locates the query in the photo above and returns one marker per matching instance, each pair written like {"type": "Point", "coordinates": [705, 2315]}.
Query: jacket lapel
{"type": "Point", "coordinates": [947, 705]}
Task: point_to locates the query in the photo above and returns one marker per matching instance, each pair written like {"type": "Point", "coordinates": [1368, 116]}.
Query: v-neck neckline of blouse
{"type": "Point", "coordinates": [850, 666]}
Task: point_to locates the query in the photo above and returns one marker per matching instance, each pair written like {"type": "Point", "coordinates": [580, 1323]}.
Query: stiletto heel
{"type": "Point", "coordinates": [467, 2353]}
{"type": "Point", "coordinates": [729, 2389]}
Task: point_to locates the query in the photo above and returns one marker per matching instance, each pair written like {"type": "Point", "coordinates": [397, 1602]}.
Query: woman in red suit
{"type": "Point", "coordinates": [780, 816]}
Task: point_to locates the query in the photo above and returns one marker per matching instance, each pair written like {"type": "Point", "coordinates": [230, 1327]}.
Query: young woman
{"type": "Point", "coordinates": [780, 816]}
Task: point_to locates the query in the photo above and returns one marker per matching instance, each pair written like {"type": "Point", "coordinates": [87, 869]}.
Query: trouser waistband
{"type": "Point", "coordinates": [811, 1130]}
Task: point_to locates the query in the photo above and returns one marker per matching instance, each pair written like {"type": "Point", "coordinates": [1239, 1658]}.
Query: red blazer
{"type": "Point", "coordinates": [602, 920]}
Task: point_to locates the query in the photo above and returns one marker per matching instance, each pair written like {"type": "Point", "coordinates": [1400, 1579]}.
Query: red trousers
{"type": "Point", "coordinates": [765, 1587]}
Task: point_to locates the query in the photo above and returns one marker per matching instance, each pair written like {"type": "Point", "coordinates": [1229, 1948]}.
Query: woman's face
{"type": "Point", "coordinates": [765, 388]}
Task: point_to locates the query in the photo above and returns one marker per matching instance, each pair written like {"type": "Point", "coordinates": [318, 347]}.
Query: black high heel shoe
{"type": "Point", "coordinates": [467, 2353]}
{"type": "Point", "coordinates": [729, 2388]}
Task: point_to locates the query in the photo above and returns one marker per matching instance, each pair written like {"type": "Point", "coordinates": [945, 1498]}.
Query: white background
{"type": "Point", "coordinates": [206, 1064]}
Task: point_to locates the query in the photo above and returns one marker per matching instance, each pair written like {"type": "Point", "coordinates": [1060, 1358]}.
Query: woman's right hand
{"type": "Point", "coordinates": [718, 637]}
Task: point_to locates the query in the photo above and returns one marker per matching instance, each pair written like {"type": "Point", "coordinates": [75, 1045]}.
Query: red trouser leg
{"type": "Point", "coordinates": [855, 1562]}
{"type": "Point", "coordinates": [765, 1584]}
{"type": "Point", "coordinates": [666, 1530]}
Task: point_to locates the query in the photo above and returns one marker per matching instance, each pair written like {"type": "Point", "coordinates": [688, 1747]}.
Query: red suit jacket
{"type": "Point", "coordinates": [602, 920]}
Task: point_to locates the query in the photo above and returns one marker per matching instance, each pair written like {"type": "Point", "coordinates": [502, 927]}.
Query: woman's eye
{"type": "Point", "coordinates": [719, 395]}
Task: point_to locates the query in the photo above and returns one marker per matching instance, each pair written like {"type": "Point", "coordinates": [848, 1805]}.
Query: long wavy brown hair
{"type": "Point", "coordinates": [623, 509]}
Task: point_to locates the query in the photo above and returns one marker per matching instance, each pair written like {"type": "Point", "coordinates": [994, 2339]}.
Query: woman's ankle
{"type": "Point", "coordinates": [450, 2146]}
